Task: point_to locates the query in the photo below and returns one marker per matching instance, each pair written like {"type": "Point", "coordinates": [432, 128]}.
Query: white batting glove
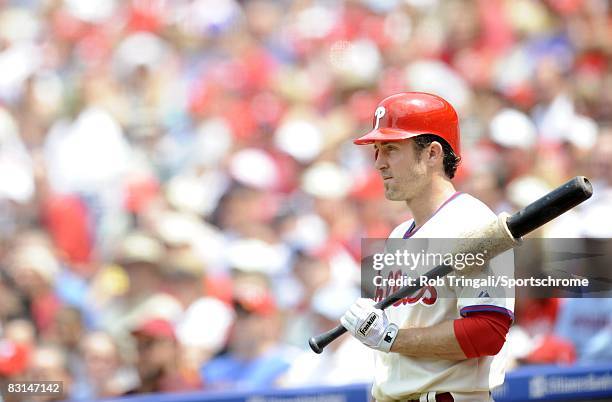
{"type": "Point", "coordinates": [370, 325]}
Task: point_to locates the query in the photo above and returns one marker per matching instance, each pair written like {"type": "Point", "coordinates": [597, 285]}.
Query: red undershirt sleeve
{"type": "Point", "coordinates": [482, 333]}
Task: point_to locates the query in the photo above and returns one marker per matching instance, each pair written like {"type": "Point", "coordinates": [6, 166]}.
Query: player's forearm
{"type": "Point", "coordinates": [438, 341]}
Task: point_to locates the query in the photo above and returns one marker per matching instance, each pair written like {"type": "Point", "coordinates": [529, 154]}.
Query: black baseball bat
{"type": "Point", "coordinates": [534, 215]}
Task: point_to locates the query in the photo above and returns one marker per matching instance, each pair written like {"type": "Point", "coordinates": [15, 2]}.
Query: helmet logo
{"type": "Point", "coordinates": [379, 113]}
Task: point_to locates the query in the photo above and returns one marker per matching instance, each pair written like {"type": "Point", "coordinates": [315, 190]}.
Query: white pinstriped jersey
{"type": "Point", "coordinates": [398, 377]}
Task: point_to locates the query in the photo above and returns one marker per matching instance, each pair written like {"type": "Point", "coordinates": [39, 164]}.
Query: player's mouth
{"type": "Point", "coordinates": [385, 178]}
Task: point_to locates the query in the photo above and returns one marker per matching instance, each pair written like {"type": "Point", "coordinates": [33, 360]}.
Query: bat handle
{"type": "Point", "coordinates": [319, 342]}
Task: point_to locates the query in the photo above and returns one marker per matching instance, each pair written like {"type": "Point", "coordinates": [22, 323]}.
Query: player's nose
{"type": "Point", "coordinates": [380, 162]}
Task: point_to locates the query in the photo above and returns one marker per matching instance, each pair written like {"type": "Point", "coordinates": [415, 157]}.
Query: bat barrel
{"type": "Point", "coordinates": [547, 208]}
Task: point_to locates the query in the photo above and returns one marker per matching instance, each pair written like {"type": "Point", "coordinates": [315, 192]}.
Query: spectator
{"type": "Point", "coordinates": [198, 340]}
{"type": "Point", "coordinates": [254, 358]}
{"type": "Point", "coordinates": [101, 373]}
{"type": "Point", "coordinates": [19, 342]}
{"type": "Point", "coordinates": [34, 269]}
{"type": "Point", "coordinates": [311, 274]}
{"type": "Point", "coordinates": [344, 361]}
{"type": "Point", "coordinates": [157, 362]}
{"type": "Point", "coordinates": [586, 323]}
{"type": "Point", "coordinates": [141, 256]}
{"type": "Point", "coordinates": [49, 363]}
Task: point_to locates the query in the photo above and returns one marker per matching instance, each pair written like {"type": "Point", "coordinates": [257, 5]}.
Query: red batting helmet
{"type": "Point", "coordinates": [408, 114]}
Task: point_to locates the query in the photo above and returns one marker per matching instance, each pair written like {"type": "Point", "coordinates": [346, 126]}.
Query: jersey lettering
{"type": "Point", "coordinates": [426, 295]}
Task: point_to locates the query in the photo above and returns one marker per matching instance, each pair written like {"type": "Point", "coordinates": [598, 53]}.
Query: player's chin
{"type": "Point", "coordinates": [393, 195]}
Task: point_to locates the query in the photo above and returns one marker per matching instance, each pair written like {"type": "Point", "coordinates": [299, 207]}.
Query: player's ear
{"type": "Point", "coordinates": [435, 153]}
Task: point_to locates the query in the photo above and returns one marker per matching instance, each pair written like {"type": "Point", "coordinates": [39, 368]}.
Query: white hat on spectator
{"type": "Point", "coordinates": [90, 154]}
{"type": "Point", "coordinates": [157, 306]}
{"type": "Point", "coordinates": [17, 181]}
{"type": "Point", "coordinates": [554, 120]}
{"type": "Point", "coordinates": [18, 24]}
{"type": "Point", "coordinates": [182, 229]}
{"type": "Point", "coordinates": [524, 190]}
{"type": "Point", "coordinates": [186, 193]}
{"type": "Point", "coordinates": [195, 329]}
{"type": "Point", "coordinates": [326, 180]}
{"type": "Point", "coordinates": [596, 218]}
{"type": "Point", "coordinates": [15, 164]}
{"type": "Point", "coordinates": [513, 129]}
{"type": "Point", "coordinates": [91, 10]}
{"type": "Point", "coordinates": [177, 228]}
{"type": "Point", "coordinates": [309, 232]}
{"type": "Point", "coordinates": [213, 142]}
{"type": "Point", "coordinates": [254, 255]}
{"type": "Point", "coordinates": [39, 259]}
{"type": "Point", "coordinates": [211, 16]}
{"type": "Point", "coordinates": [437, 78]}
{"type": "Point", "coordinates": [300, 138]}
{"type": "Point", "coordinates": [582, 132]}
{"type": "Point", "coordinates": [196, 194]}
{"type": "Point", "coordinates": [139, 247]}
{"type": "Point", "coordinates": [139, 49]}
{"type": "Point", "coordinates": [314, 21]}
{"type": "Point", "coordinates": [254, 168]}
{"type": "Point", "coordinates": [356, 63]}
{"type": "Point", "coordinates": [332, 300]}
{"type": "Point", "coordinates": [18, 62]}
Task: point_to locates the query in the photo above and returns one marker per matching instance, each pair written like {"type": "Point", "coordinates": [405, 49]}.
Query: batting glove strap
{"type": "Point", "coordinates": [370, 325]}
{"type": "Point", "coordinates": [389, 337]}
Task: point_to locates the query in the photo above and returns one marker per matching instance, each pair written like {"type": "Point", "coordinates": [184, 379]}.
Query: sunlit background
{"type": "Point", "coordinates": [181, 205]}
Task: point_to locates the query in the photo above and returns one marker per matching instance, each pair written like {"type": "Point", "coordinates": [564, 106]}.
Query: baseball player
{"type": "Point", "coordinates": [444, 343]}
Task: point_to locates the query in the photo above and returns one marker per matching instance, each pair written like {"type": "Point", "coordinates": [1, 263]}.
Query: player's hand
{"type": "Point", "coordinates": [370, 325]}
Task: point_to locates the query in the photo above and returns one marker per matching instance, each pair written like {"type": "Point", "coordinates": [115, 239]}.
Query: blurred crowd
{"type": "Point", "coordinates": [181, 206]}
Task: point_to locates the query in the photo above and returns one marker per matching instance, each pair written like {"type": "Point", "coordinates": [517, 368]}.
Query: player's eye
{"type": "Point", "coordinates": [375, 155]}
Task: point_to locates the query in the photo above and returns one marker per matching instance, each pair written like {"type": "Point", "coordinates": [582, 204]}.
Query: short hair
{"type": "Point", "coordinates": [451, 159]}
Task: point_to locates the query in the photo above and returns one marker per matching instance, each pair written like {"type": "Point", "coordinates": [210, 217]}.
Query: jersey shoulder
{"type": "Point", "coordinates": [468, 207]}
{"type": "Point", "coordinates": [401, 229]}
{"type": "Point", "coordinates": [457, 216]}
{"type": "Point", "coordinates": [461, 215]}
